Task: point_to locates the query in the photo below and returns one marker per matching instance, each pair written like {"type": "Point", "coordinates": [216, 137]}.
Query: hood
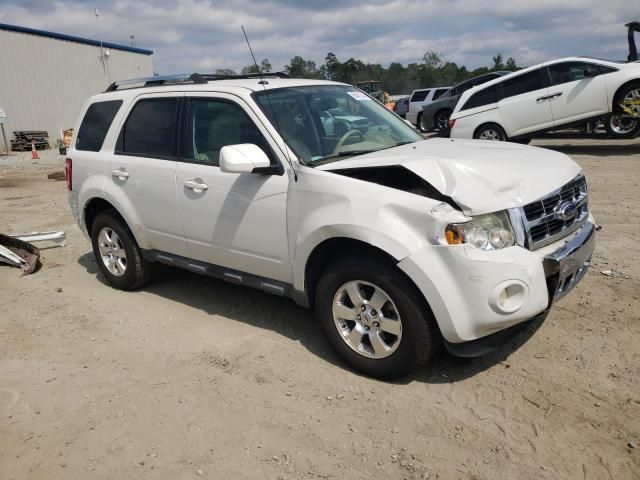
{"type": "Point", "coordinates": [480, 176]}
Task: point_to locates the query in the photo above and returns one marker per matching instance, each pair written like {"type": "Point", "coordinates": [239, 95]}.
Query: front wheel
{"type": "Point", "coordinates": [490, 131]}
{"type": "Point", "coordinates": [622, 126]}
{"type": "Point", "coordinates": [374, 318]}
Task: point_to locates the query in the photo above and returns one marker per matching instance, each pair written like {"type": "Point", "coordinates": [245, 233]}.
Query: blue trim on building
{"type": "Point", "coordinates": [71, 38]}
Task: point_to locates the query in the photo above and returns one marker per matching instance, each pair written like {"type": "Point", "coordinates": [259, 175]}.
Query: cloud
{"type": "Point", "coordinates": [201, 35]}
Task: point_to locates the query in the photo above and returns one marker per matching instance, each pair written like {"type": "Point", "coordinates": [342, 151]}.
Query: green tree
{"type": "Point", "coordinates": [225, 71]}
{"type": "Point", "coordinates": [265, 66]}
{"type": "Point", "coordinates": [511, 65]}
{"type": "Point", "coordinates": [498, 63]}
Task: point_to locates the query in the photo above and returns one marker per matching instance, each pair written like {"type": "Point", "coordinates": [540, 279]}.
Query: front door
{"type": "Point", "coordinates": [524, 106]}
{"type": "Point", "coordinates": [577, 92]}
{"type": "Point", "coordinates": [143, 169]}
{"type": "Point", "coordinates": [232, 220]}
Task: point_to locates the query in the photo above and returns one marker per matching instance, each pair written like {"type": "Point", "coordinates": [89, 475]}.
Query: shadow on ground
{"type": "Point", "coordinates": [285, 317]}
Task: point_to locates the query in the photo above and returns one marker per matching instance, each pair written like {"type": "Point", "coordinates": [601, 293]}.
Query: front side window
{"type": "Point", "coordinates": [150, 129]}
{"type": "Point", "coordinates": [214, 124]}
{"type": "Point", "coordinates": [566, 72]}
{"type": "Point", "coordinates": [323, 123]}
{"type": "Point", "coordinates": [485, 96]}
{"type": "Point", "coordinates": [524, 83]}
{"type": "Point", "coordinates": [95, 125]}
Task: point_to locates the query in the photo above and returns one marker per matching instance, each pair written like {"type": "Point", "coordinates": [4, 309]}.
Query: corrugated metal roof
{"type": "Point", "coordinates": [71, 38]}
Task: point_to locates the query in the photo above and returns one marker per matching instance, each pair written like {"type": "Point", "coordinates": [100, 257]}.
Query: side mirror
{"type": "Point", "coordinates": [590, 72]}
{"type": "Point", "coordinates": [242, 158]}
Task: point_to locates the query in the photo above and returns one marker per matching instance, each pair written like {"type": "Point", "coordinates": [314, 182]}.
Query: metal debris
{"type": "Point", "coordinates": [18, 253]}
{"type": "Point", "coordinates": [59, 238]}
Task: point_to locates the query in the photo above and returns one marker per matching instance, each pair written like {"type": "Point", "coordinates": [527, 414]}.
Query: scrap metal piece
{"type": "Point", "coordinates": [57, 237]}
{"type": "Point", "coordinates": [18, 253]}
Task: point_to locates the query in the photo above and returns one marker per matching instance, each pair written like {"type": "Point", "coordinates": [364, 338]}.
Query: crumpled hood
{"type": "Point", "coordinates": [480, 176]}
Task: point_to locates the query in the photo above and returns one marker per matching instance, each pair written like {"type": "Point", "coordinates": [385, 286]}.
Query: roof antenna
{"type": "Point", "coordinates": [263, 82]}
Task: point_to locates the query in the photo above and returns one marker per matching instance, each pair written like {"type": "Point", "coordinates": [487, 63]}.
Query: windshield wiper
{"type": "Point", "coordinates": [350, 153]}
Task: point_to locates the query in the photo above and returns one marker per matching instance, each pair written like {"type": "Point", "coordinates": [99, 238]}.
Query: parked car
{"type": "Point", "coordinates": [401, 106]}
{"type": "Point", "coordinates": [398, 242]}
{"type": "Point", "coordinates": [419, 98]}
{"type": "Point", "coordinates": [435, 115]}
{"type": "Point", "coordinates": [550, 96]}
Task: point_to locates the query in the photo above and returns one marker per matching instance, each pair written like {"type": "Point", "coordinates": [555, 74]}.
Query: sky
{"type": "Point", "coordinates": [205, 35]}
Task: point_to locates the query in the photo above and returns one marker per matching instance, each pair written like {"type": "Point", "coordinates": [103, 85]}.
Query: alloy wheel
{"type": "Point", "coordinates": [367, 319]}
{"type": "Point", "coordinates": [489, 134]}
{"type": "Point", "coordinates": [112, 251]}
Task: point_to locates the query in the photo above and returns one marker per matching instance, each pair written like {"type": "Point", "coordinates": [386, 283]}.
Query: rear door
{"type": "Point", "coordinates": [142, 172]}
{"type": "Point", "coordinates": [578, 91]}
{"type": "Point", "coordinates": [232, 220]}
{"type": "Point", "coordinates": [524, 106]}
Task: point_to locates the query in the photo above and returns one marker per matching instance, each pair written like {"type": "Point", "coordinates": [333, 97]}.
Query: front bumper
{"type": "Point", "coordinates": [474, 293]}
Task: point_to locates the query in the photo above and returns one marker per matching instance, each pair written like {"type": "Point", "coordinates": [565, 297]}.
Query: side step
{"type": "Point", "coordinates": [267, 285]}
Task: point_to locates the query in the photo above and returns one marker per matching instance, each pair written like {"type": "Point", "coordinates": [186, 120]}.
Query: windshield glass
{"type": "Point", "coordinates": [331, 122]}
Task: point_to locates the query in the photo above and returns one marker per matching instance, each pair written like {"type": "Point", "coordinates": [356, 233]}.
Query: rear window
{"type": "Point", "coordinates": [150, 129]}
{"type": "Point", "coordinates": [95, 125]}
{"type": "Point", "coordinates": [483, 97]}
{"type": "Point", "coordinates": [419, 96]}
{"type": "Point", "coordinates": [525, 83]}
{"type": "Point", "coordinates": [438, 93]}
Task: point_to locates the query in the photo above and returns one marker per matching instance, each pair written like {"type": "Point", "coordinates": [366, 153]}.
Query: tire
{"type": "Point", "coordinates": [419, 123]}
{"type": "Point", "coordinates": [414, 338]}
{"type": "Point", "coordinates": [111, 236]}
{"type": "Point", "coordinates": [441, 120]}
{"type": "Point", "coordinates": [619, 126]}
{"type": "Point", "coordinates": [491, 132]}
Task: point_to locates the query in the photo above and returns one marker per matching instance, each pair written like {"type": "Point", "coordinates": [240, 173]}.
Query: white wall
{"type": "Point", "coordinates": [45, 81]}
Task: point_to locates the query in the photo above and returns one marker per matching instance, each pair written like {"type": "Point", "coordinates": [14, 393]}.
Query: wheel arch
{"type": "Point", "coordinates": [483, 124]}
{"type": "Point", "coordinates": [618, 92]}
{"type": "Point", "coordinates": [97, 205]}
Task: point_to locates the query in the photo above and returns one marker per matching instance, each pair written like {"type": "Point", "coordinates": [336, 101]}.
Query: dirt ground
{"type": "Point", "coordinates": [196, 378]}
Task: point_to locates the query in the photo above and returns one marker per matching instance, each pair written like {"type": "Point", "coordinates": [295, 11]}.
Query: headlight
{"type": "Point", "coordinates": [491, 231]}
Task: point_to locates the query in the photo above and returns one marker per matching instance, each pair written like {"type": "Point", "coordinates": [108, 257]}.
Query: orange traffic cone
{"type": "Point", "coordinates": [34, 152]}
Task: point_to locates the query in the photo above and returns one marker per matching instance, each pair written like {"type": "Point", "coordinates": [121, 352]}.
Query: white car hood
{"type": "Point", "coordinates": [480, 176]}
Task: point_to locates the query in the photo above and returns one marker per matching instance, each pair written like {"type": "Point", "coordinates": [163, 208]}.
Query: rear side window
{"type": "Point", "coordinates": [419, 95]}
{"type": "Point", "coordinates": [438, 93]}
{"type": "Point", "coordinates": [95, 125]}
{"type": "Point", "coordinates": [150, 129]}
{"type": "Point", "coordinates": [483, 97]}
{"type": "Point", "coordinates": [528, 82]}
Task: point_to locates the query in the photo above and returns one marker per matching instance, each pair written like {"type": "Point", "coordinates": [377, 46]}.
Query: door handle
{"type": "Point", "coordinates": [542, 99]}
{"type": "Point", "coordinates": [196, 185]}
{"type": "Point", "coordinates": [555, 95]}
{"type": "Point", "coordinates": [120, 173]}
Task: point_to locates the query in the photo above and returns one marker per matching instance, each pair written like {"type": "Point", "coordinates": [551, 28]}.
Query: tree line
{"type": "Point", "coordinates": [433, 71]}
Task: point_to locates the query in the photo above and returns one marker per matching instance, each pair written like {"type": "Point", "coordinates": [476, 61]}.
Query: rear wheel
{"type": "Point", "coordinates": [441, 120]}
{"type": "Point", "coordinates": [374, 318]}
{"type": "Point", "coordinates": [622, 126]}
{"type": "Point", "coordinates": [490, 131]}
{"type": "Point", "coordinates": [118, 256]}
{"type": "Point", "coordinates": [419, 123]}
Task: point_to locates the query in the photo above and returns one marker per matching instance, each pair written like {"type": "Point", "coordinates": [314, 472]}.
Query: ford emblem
{"type": "Point", "coordinates": [567, 211]}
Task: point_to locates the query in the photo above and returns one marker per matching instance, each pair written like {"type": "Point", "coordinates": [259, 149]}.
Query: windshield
{"type": "Point", "coordinates": [325, 123]}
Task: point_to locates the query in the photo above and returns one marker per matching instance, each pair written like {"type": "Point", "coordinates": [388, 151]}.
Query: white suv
{"type": "Point", "coordinates": [418, 99]}
{"type": "Point", "coordinates": [551, 96]}
{"type": "Point", "coordinates": [396, 241]}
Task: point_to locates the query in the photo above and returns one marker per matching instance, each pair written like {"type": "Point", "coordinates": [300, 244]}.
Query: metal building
{"type": "Point", "coordinates": [46, 77]}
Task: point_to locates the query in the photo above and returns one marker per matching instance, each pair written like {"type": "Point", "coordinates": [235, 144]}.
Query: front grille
{"type": "Point", "coordinates": [544, 220]}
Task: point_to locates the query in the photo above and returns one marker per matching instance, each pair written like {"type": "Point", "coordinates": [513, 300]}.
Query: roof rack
{"type": "Point", "coordinates": [195, 78]}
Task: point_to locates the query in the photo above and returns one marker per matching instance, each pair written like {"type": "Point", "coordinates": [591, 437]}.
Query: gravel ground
{"type": "Point", "coordinates": [195, 378]}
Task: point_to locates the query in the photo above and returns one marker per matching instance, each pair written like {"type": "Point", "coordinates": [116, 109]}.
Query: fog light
{"type": "Point", "coordinates": [508, 297]}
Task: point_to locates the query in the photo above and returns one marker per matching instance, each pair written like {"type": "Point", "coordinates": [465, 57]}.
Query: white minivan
{"type": "Point", "coordinates": [550, 96]}
{"type": "Point", "coordinates": [419, 98]}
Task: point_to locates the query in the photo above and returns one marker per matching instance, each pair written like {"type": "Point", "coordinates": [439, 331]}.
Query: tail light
{"type": "Point", "coordinates": [68, 173]}
{"type": "Point", "coordinates": [452, 123]}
